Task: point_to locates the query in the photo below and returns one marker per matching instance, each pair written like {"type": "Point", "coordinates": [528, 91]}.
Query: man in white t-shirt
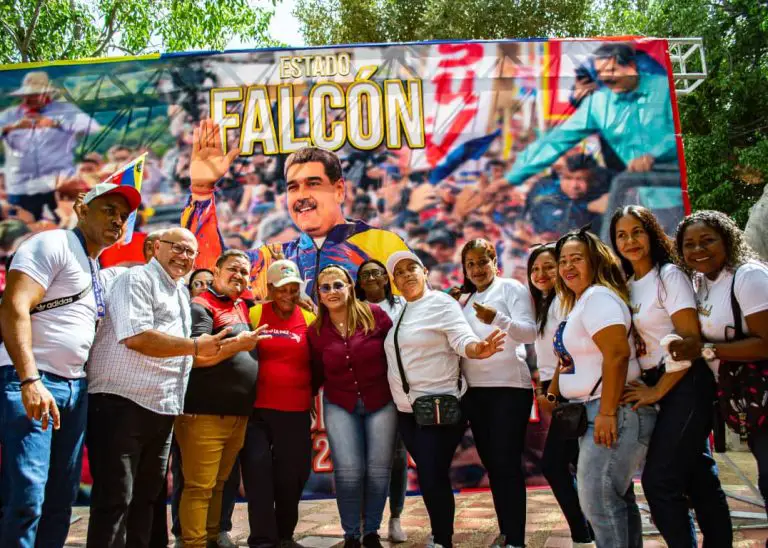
{"type": "Point", "coordinates": [53, 300]}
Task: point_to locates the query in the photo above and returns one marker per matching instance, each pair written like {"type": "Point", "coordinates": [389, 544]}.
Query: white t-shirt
{"type": "Point", "coordinates": [61, 337]}
{"type": "Point", "coordinates": [714, 301]}
{"type": "Point", "coordinates": [514, 316]}
{"type": "Point", "coordinates": [392, 310]}
{"type": "Point", "coordinates": [546, 360]}
{"type": "Point", "coordinates": [433, 335]}
{"type": "Point", "coordinates": [653, 306]}
{"type": "Point", "coordinates": [597, 308]}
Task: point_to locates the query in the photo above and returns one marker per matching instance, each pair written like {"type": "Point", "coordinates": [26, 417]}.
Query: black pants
{"type": "Point", "coordinates": [432, 449]}
{"type": "Point", "coordinates": [499, 419]}
{"type": "Point", "coordinates": [558, 464]}
{"type": "Point", "coordinates": [275, 461]}
{"type": "Point", "coordinates": [679, 466]}
{"type": "Point", "coordinates": [128, 449]}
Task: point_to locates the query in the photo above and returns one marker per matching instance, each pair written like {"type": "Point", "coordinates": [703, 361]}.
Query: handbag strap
{"type": "Point", "coordinates": [736, 309]}
{"type": "Point", "coordinates": [406, 386]}
{"type": "Point", "coordinates": [597, 384]}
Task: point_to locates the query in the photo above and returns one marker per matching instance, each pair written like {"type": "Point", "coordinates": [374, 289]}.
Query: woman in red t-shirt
{"type": "Point", "coordinates": [347, 342]}
{"type": "Point", "coordinates": [276, 457]}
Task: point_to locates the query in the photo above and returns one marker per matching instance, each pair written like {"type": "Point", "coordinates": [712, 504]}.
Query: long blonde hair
{"type": "Point", "coordinates": [359, 314]}
{"type": "Point", "coordinates": [603, 263]}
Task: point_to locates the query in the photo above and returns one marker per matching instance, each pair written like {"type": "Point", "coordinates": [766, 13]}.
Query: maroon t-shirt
{"type": "Point", "coordinates": [353, 368]}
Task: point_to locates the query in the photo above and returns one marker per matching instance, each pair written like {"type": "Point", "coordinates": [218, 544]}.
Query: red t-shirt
{"type": "Point", "coordinates": [285, 374]}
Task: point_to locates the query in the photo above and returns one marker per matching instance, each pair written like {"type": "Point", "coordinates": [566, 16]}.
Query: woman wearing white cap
{"type": "Point", "coordinates": [423, 353]}
{"type": "Point", "coordinates": [276, 457]}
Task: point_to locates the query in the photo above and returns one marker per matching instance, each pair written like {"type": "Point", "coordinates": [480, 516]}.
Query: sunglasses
{"type": "Point", "coordinates": [202, 283]}
{"type": "Point", "coordinates": [335, 286]}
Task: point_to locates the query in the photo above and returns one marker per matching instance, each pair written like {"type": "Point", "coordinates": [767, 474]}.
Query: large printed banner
{"type": "Point", "coordinates": [516, 142]}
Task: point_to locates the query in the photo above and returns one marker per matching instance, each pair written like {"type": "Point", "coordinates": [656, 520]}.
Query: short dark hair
{"type": "Point", "coordinates": [196, 273]}
{"type": "Point", "coordinates": [330, 161]}
{"type": "Point", "coordinates": [228, 254]}
{"type": "Point", "coordinates": [621, 51]}
{"type": "Point", "coordinates": [581, 161]}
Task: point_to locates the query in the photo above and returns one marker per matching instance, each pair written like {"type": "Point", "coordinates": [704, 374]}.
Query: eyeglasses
{"type": "Point", "coordinates": [202, 283]}
{"type": "Point", "coordinates": [371, 275]}
{"type": "Point", "coordinates": [179, 249]}
{"type": "Point", "coordinates": [335, 286]}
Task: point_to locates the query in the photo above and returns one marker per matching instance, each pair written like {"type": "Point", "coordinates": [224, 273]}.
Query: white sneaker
{"type": "Point", "coordinates": [225, 541]}
{"type": "Point", "coordinates": [432, 544]}
{"type": "Point", "coordinates": [396, 533]}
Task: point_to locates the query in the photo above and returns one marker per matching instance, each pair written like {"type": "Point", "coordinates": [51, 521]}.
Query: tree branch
{"type": "Point", "coordinates": [32, 25]}
{"type": "Point", "coordinates": [108, 33]}
{"type": "Point", "coordinates": [77, 33]}
{"type": "Point", "coordinates": [14, 37]}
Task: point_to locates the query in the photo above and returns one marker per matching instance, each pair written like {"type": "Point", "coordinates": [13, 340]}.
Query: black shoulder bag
{"type": "Point", "coordinates": [569, 420]}
{"type": "Point", "coordinates": [430, 410]}
{"type": "Point", "coordinates": [742, 387]}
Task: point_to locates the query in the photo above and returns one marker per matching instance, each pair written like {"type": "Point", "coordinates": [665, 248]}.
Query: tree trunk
{"type": "Point", "coordinates": [757, 226]}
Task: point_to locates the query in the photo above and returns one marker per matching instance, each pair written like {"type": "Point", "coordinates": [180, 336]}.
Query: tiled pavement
{"type": "Point", "coordinates": [475, 520]}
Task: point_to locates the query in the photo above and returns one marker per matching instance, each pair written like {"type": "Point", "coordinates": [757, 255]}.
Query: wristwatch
{"type": "Point", "coordinates": [708, 352]}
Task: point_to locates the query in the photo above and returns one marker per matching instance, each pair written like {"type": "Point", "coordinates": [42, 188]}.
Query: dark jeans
{"type": "Point", "coordinates": [499, 418]}
{"type": "Point", "coordinates": [679, 466]}
{"type": "Point", "coordinates": [558, 464]}
{"type": "Point", "coordinates": [40, 472]}
{"type": "Point", "coordinates": [275, 459]}
{"type": "Point", "coordinates": [398, 480]}
{"type": "Point", "coordinates": [128, 448]}
{"type": "Point", "coordinates": [432, 449]}
{"type": "Point", "coordinates": [34, 203]}
{"type": "Point", "coordinates": [758, 444]}
{"type": "Point", "coordinates": [160, 520]}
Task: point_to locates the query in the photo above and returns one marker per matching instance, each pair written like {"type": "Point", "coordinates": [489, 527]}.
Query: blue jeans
{"type": "Point", "coordinates": [40, 469]}
{"type": "Point", "coordinates": [362, 445]}
{"type": "Point", "coordinates": [604, 476]}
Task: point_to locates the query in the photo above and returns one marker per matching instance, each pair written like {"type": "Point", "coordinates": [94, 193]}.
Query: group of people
{"type": "Point", "coordinates": [133, 361]}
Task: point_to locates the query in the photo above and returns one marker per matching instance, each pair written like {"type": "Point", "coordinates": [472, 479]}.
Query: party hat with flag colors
{"type": "Point", "coordinates": [130, 174]}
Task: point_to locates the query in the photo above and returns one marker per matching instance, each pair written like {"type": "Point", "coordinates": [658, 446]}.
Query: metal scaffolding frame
{"type": "Point", "coordinates": [689, 64]}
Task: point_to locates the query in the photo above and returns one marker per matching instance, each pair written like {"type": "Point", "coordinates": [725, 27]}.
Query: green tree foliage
{"type": "Point", "coordinates": [724, 122]}
{"type": "Point", "coordinates": [45, 30]}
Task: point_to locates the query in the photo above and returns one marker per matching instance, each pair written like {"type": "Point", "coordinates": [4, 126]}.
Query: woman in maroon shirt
{"type": "Point", "coordinates": [347, 344]}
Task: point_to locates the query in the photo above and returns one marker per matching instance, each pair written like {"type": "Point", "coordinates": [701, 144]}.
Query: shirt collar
{"type": "Point", "coordinates": [221, 296]}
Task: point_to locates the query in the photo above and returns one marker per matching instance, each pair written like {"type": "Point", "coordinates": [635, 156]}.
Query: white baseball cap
{"type": "Point", "coordinates": [398, 256]}
{"type": "Point", "coordinates": [131, 195]}
{"type": "Point", "coordinates": [283, 272]}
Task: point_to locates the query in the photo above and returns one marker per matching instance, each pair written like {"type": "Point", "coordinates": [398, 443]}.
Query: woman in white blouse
{"type": "Point", "coordinates": [596, 363]}
{"type": "Point", "coordinates": [373, 286]}
{"type": "Point", "coordinates": [679, 467]}
{"type": "Point", "coordinates": [428, 339]}
{"type": "Point", "coordinates": [724, 266]}
{"type": "Point", "coordinates": [559, 453]}
{"type": "Point", "coordinates": [498, 402]}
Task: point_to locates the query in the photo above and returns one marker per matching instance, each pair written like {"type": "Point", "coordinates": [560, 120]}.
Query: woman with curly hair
{"type": "Point", "coordinates": [595, 364]}
{"type": "Point", "coordinates": [679, 466]}
{"type": "Point", "coordinates": [732, 299]}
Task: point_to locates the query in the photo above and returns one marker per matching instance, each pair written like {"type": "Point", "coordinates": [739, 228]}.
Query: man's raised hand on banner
{"type": "Point", "coordinates": [209, 162]}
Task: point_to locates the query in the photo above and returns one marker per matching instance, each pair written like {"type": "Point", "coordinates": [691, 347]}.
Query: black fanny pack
{"type": "Point", "coordinates": [432, 409]}
{"type": "Point", "coordinates": [652, 376]}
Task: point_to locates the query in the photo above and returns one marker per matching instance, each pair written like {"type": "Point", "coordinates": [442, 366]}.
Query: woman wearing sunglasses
{"type": "Point", "coordinates": [732, 299]}
{"type": "Point", "coordinates": [200, 280]}
{"type": "Point", "coordinates": [679, 468]}
{"type": "Point", "coordinates": [423, 353]}
{"type": "Point", "coordinates": [559, 453]}
{"type": "Point", "coordinates": [373, 286]}
{"type": "Point", "coordinates": [347, 342]}
{"type": "Point", "coordinates": [595, 363]}
{"type": "Point", "coordinates": [498, 402]}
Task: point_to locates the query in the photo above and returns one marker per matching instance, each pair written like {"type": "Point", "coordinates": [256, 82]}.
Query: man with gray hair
{"type": "Point", "coordinates": [138, 371]}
